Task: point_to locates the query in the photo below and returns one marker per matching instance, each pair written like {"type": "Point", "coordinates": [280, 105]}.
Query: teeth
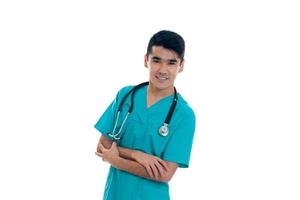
{"type": "Point", "coordinates": [161, 78]}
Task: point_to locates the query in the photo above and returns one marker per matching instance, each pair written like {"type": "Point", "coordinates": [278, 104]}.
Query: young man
{"type": "Point", "coordinates": [145, 147]}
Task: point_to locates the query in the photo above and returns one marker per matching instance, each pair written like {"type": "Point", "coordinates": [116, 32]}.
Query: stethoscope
{"type": "Point", "coordinates": [163, 130]}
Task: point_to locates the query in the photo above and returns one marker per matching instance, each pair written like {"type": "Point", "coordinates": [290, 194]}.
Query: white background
{"type": "Point", "coordinates": [62, 63]}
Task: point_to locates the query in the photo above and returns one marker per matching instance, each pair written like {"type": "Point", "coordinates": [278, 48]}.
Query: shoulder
{"type": "Point", "coordinates": [184, 109]}
{"type": "Point", "coordinates": [185, 119]}
{"type": "Point", "coordinates": [124, 90]}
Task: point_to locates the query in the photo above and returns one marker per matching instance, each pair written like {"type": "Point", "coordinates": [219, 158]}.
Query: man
{"type": "Point", "coordinates": [156, 137]}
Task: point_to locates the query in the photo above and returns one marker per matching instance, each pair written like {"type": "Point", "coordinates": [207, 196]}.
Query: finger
{"type": "Point", "coordinates": [155, 170]}
{"type": "Point", "coordinates": [164, 164]}
{"type": "Point", "coordinates": [114, 145]}
{"type": "Point", "coordinates": [160, 168]}
{"type": "Point", "coordinates": [102, 148]}
{"type": "Point", "coordinates": [149, 171]}
{"type": "Point", "coordinates": [99, 154]}
{"type": "Point", "coordinates": [98, 148]}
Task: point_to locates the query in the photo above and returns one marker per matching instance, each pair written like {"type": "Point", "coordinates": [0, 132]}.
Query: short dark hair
{"type": "Point", "coordinates": [169, 40]}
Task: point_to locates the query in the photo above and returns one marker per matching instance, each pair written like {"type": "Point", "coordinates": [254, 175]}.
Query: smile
{"type": "Point", "coordinates": [161, 78]}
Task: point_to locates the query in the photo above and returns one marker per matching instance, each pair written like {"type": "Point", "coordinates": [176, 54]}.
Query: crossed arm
{"type": "Point", "coordinates": [135, 162]}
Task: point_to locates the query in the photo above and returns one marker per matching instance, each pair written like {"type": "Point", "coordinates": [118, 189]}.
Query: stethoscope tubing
{"type": "Point", "coordinates": [163, 130]}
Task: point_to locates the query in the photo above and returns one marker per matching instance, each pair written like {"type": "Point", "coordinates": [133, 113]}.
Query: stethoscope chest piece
{"type": "Point", "coordinates": [164, 130]}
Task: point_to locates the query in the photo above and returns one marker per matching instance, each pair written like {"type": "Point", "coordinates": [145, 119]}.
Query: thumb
{"type": "Point", "coordinates": [101, 147]}
{"type": "Point", "coordinates": [114, 144]}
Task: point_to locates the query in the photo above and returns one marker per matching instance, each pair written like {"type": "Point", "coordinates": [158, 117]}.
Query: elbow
{"type": "Point", "coordinates": [165, 178]}
{"type": "Point", "coordinates": [168, 174]}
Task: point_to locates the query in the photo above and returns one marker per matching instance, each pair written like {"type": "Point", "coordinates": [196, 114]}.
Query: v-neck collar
{"type": "Point", "coordinates": [154, 105]}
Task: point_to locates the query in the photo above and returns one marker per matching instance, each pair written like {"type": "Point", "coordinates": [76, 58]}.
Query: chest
{"type": "Point", "coordinates": [141, 132]}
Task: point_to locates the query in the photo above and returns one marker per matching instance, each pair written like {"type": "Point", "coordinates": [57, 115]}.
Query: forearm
{"type": "Point", "coordinates": [124, 152]}
{"type": "Point", "coordinates": [133, 167]}
{"type": "Point", "coordinates": [137, 162]}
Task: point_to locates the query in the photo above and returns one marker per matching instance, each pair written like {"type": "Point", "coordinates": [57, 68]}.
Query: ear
{"type": "Point", "coordinates": [146, 61]}
{"type": "Point", "coordinates": [181, 66]}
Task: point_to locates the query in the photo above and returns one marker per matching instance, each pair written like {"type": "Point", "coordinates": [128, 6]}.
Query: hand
{"type": "Point", "coordinates": [153, 164]}
{"type": "Point", "coordinates": [107, 154]}
{"type": "Point", "coordinates": [105, 142]}
{"type": "Point", "coordinates": [98, 147]}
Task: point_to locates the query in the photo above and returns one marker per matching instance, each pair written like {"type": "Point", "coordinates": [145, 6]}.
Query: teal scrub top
{"type": "Point", "coordinates": [140, 132]}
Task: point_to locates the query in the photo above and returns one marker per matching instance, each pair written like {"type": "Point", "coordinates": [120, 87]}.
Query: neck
{"type": "Point", "coordinates": [160, 93]}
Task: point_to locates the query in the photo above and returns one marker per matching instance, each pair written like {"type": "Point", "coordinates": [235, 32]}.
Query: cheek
{"type": "Point", "coordinates": [153, 69]}
{"type": "Point", "coordinates": [174, 74]}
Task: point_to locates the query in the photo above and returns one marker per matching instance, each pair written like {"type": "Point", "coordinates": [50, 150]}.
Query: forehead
{"type": "Point", "coordinates": [161, 52]}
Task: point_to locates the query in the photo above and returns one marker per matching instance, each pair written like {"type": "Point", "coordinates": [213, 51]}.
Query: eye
{"type": "Point", "coordinates": [156, 61]}
{"type": "Point", "coordinates": [171, 63]}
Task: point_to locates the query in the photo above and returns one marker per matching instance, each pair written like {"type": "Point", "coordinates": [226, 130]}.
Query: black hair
{"type": "Point", "coordinates": [169, 40]}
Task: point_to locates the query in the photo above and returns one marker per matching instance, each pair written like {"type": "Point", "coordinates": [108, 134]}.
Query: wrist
{"type": "Point", "coordinates": [137, 155]}
{"type": "Point", "coordinates": [112, 159]}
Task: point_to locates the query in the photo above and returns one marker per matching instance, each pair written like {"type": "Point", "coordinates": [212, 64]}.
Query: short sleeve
{"type": "Point", "coordinates": [106, 122]}
{"type": "Point", "coordinates": [179, 146]}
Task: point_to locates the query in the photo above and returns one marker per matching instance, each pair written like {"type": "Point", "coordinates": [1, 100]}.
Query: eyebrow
{"type": "Point", "coordinates": [158, 58]}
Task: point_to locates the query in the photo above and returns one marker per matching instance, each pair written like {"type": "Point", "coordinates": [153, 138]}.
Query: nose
{"type": "Point", "coordinates": [163, 68]}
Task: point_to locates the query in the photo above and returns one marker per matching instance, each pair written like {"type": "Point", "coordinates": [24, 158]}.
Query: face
{"type": "Point", "coordinates": [163, 65]}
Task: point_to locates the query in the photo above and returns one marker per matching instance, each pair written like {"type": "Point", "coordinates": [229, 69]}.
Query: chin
{"type": "Point", "coordinates": [161, 86]}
